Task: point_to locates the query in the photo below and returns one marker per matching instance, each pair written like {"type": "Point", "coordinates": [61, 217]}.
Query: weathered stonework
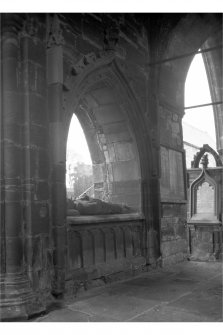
{"type": "Point", "coordinates": [204, 215]}
{"type": "Point", "coordinates": [106, 69]}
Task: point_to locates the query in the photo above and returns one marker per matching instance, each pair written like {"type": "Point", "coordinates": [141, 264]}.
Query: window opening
{"type": "Point", "coordinates": [198, 123]}
{"type": "Point", "coordinates": [79, 174]}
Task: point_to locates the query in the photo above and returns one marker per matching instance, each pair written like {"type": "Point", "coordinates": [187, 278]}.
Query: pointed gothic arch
{"type": "Point", "coordinates": [206, 33]}
{"type": "Point", "coordinates": [111, 135]}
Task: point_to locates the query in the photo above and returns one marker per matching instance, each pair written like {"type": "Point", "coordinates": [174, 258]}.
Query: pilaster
{"type": "Point", "coordinates": [57, 149]}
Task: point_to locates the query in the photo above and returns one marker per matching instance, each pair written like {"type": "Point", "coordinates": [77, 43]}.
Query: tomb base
{"type": "Point", "coordinates": [205, 241]}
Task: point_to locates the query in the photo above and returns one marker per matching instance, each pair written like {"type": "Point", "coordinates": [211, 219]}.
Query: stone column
{"type": "Point", "coordinates": [35, 153]}
{"type": "Point", "coordinates": [2, 226]}
{"type": "Point", "coordinates": [16, 297]}
{"type": "Point", "coordinates": [152, 185]}
{"type": "Point", "coordinates": [57, 151]}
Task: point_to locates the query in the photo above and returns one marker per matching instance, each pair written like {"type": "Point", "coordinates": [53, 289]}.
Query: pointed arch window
{"type": "Point", "coordinates": [198, 123]}
{"type": "Point", "coordinates": [79, 174]}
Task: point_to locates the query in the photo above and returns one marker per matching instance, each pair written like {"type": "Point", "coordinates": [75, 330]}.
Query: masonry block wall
{"type": "Point", "coordinates": [105, 68]}
{"type": "Point", "coordinates": [172, 188]}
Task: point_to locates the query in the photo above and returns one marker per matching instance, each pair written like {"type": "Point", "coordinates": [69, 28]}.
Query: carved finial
{"type": "Point", "coordinates": [30, 27]}
{"type": "Point", "coordinates": [55, 36]}
{"type": "Point", "coordinates": [204, 161]}
{"type": "Point", "coordinates": [111, 36]}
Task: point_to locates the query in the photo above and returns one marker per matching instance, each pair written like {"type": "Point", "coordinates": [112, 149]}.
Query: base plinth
{"type": "Point", "coordinates": [17, 300]}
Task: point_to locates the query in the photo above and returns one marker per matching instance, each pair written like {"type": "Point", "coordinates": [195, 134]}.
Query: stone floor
{"type": "Point", "coordinates": [187, 292]}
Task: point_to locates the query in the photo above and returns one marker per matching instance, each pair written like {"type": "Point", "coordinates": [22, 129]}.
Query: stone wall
{"type": "Point", "coordinates": [174, 245]}
{"type": "Point", "coordinates": [55, 65]}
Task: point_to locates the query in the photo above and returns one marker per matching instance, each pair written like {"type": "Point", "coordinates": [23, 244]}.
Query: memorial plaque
{"type": "Point", "coordinates": [205, 199]}
{"type": "Point", "coordinates": [172, 178]}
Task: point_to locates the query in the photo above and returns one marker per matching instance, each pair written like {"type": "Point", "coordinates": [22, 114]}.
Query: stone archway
{"type": "Point", "coordinates": [116, 133]}
{"type": "Point", "coordinates": [103, 111]}
{"type": "Point", "coordinates": [102, 72]}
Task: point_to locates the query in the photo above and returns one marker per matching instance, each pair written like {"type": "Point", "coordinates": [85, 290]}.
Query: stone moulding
{"type": "Point", "coordinates": [17, 299]}
{"type": "Point", "coordinates": [92, 219]}
{"type": "Point", "coordinates": [119, 240]}
{"type": "Point", "coordinates": [87, 64]}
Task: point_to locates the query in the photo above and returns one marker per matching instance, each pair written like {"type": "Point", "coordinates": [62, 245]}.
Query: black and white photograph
{"type": "Point", "coordinates": [111, 167]}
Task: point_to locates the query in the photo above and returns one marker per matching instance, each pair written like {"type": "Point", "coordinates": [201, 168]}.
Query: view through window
{"type": "Point", "coordinates": [198, 123]}
{"type": "Point", "coordinates": [79, 175]}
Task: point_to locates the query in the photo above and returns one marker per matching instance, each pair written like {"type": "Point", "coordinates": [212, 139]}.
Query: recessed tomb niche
{"type": "Point", "coordinates": [104, 114]}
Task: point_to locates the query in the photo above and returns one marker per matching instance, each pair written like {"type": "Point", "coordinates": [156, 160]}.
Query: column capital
{"type": "Point", "coordinates": [29, 27]}
{"type": "Point", "coordinates": [54, 31]}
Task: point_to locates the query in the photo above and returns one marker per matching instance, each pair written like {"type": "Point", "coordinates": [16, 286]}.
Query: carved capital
{"type": "Point", "coordinates": [30, 27]}
{"type": "Point", "coordinates": [111, 36]}
{"type": "Point", "coordinates": [55, 34]}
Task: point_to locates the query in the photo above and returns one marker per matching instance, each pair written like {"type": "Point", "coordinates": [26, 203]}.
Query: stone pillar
{"type": "Point", "coordinates": [153, 185]}
{"type": "Point", "coordinates": [35, 153]}
{"type": "Point", "coordinates": [57, 151]}
{"type": "Point", "coordinates": [16, 296]}
{"type": "Point", "coordinates": [2, 226]}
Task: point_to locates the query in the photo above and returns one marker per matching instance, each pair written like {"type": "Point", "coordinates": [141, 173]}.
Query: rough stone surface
{"type": "Point", "coordinates": [103, 67]}
{"type": "Point", "coordinates": [189, 292]}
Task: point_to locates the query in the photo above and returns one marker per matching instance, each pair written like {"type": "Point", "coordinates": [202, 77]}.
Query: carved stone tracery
{"type": "Point", "coordinates": [203, 196]}
{"type": "Point", "coordinates": [199, 155]}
